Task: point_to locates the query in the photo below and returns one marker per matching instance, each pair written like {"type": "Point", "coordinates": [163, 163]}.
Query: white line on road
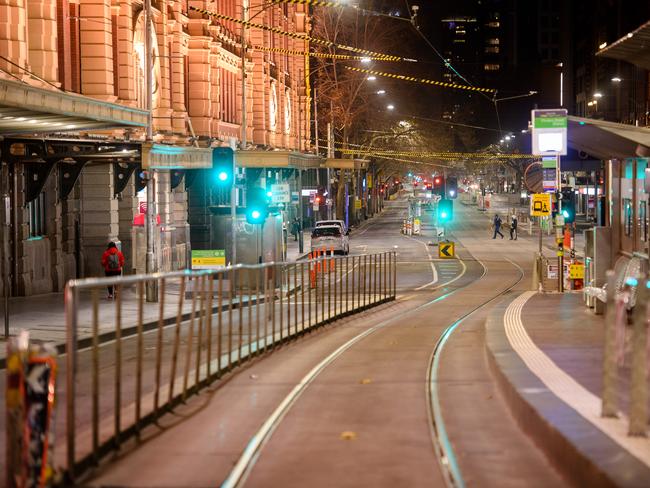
{"type": "Point", "coordinates": [564, 386]}
{"type": "Point", "coordinates": [433, 268]}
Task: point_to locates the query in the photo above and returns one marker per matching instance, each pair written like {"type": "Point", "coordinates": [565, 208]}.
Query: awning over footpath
{"type": "Point", "coordinates": [633, 48]}
{"type": "Point", "coordinates": [26, 109]}
{"type": "Point", "coordinates": [276, 159]}
{"type": "Point", "coordinates": [339, 163]}
{"type": "Point", "coordinates": [608, 140]}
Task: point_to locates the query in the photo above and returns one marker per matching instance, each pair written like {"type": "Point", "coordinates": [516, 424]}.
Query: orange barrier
{"type": "Point", "coordinates": [332, 262]}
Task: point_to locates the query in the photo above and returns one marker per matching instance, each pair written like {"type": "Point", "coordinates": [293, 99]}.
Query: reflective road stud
{"type": "Point", "coordinates": [446, 250]}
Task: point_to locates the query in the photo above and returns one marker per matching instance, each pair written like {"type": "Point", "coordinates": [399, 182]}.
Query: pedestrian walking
{"type": "Point", "coordinates": [497, 226]}
{"type": "Point", "coordinates": [295, 228]}
{"type": "Point", "coordinates": [513, 227]}
{"type": "Point", "coordinates": [113, 262]}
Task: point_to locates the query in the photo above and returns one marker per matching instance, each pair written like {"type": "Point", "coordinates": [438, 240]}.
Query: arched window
{"type": "Point", "coordinates": [140, 63]}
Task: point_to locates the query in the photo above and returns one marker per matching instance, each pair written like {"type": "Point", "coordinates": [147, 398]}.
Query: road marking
{"type": "Point", "coordinates": [433, 268]}
{"type": "Point", "coordinates": [564, 386]}
{"type": "Point", "coordinates": [462, 273]}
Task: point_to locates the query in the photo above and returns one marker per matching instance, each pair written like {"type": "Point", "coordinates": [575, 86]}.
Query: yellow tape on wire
{"type": "Point", "coordinates": [294, 35]}
{"type": "Point", "coordinates": [421, 80]}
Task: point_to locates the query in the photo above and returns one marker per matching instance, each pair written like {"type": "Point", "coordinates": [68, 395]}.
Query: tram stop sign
{"type": "Point", "coordinates": [540, 205]}
{"type": "Point", "coordinates": [446, 250]}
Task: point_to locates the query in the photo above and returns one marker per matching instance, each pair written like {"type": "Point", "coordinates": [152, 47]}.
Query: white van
{"type": "Point", "coordinates": [344, 228]}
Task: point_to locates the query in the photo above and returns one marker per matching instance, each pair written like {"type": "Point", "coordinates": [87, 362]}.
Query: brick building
{"type": "Point", "coordinates": [69, 188]}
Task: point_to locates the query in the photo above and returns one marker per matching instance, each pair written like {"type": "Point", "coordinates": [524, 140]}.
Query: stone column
{"type": "Point", "coordinates": [96, 49]}
{"type": "Point", "coordinates": [13, 36]}
{"type": "Point", "coordinates": [43, 49]}
{"type": "Point", "coordinates": [99, 215]}
{"type": "Point", "coordinates": [125, 59]}
{"type": "Point", "coordinates": [127, 209]}
{"type": "Point", "coordinates": [181, 226]}
{"type": "Point", "coordinates": [200, 85]}
{"type": "Point", "coordinates": [54, 227]}
{"type": "Point", "coordinates": [163, 206]}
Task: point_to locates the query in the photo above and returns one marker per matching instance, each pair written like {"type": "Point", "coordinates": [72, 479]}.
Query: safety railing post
{"type": "Point", "coordinates": [281, 307]}
{"type": "Point", "coordinates": [239, 284]}
{"type": "Point", "coordinates": [609, 403]}
{"type": "Point", "coordinates": [336, 283]}
{"type": "Point", "coordinates": [249, 332]}
{"type": "Point", "coordinates": [199, 335]}
{"type": "Point", "coordinates": [159, 347]}
{"type": "Point", "coordinates": [71, 312]}
{"type": "Point", "coordinates": [639, 383]}
{"type": "Point", "coordinates": [117, 414]}
{"type": "Point", "coordinates": [365, 280]}
{"type": "Point", "coordinates": [302, 296]}
{"type": "Point", "coordinates": [347, 283]}
{"type": "Point", "coordinates": [231, 304]}
{"type": "Point", "coordinates": [258, 310]}
{"type": "Point", "coordinates": [208, 356]}
{"type": "Point", "coordinates": [219, 321]}
{"type": "Point", "coordinates": [138, 357]}
{"type": "Point", "coordinates": [95, 374]}
{"type": "Point", "coordinates": [394, 274]}
{"type": "Point", "coordinates": [288, 271]}
{"type": "Point", "coordinates": [295, 294]}
{"type": "Point", "coordinates": [177, 340]}
{"type": "Point", "coordinates": [322, 292]}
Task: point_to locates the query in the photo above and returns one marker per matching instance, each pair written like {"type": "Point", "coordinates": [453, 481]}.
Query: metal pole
{"type": "Point", "coordinates": [609, 405]}
{"type": "Point", "coordinates": [301, 241]}
{"type": "Point", "coordinates": [316, 121]}
{"type": "Point", "coordinates": [559, 234]}
{"type": "Point", "coordinates": [150, 262]}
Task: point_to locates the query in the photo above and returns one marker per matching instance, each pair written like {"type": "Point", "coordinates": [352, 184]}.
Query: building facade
{"type": "Point", "coordinates": [71, 190]}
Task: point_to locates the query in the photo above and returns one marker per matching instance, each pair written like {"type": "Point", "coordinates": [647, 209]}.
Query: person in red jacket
{"type": "Point", "coordinates": [113, 262]}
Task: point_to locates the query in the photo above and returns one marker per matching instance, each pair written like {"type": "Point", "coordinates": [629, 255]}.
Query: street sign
{"type": "Point", "coordinates": [540, 204]}
{"type": "Point", "coordinates": [280, 193]}
{"type": "Point", "coordinates": [577, 271]}
{"type": "Point", "coordinates": [357, 203]}
{"type": "Point", "coordinates": [208, 259]}
{"type": "Point", "coordinates": [295, 197]}
{"type": "Point", "coordinates": [446, 250]}
{"type": "Point", "coordinates": [549, 132]}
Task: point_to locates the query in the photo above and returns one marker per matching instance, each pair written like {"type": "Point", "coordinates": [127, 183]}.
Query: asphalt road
{"type": "Point", "coordinates": [398, 395]}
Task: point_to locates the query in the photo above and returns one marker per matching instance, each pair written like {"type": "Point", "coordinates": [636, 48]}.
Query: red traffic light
{"type": "Point", "coordinates": [437, 181]}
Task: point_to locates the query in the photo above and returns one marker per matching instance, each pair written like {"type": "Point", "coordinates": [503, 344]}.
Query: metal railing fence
{"type": "Point", "coordinates": [128, 377]}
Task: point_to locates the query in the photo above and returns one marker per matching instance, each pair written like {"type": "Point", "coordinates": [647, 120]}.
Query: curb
{"type": "Point", "coordinates": [582, 453]}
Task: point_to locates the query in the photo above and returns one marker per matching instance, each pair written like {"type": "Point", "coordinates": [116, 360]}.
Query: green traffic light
{"type": "Point", "coordinates": [223, 176]}
{"type": "Point", "coordinates": [565, 214]}
{"type": "Point", "coordinates": [443, 215]}
{"type": "Point", "coordinates": [256, 214]}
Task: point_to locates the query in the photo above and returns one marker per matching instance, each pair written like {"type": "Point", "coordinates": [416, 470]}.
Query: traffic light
{"type": "Point", "coordinates": [568, 205]}
{"type": "Point", "coordinates": [222, 166]}
{"type": "Point", "coordinates": [257, 205]}
{"type": "Point", "coordinates": [445, 211]}
{"type": "Point", "coordinates": [438, 185]}
{"type": "Point", "coordinates": [452, 187]}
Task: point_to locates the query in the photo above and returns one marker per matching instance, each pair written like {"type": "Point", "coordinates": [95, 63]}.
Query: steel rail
{"type": "Point", "coordinates": [441, 443]}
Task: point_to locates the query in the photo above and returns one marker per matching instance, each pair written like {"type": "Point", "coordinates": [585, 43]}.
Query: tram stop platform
{"type": "Point", "coordinates": [546, 351]}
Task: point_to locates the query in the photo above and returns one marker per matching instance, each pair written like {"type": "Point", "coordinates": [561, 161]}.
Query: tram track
{"type": "Point", "coordinates": [441, 444]}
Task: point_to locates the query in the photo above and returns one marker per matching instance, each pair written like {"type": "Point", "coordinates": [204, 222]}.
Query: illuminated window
{"type": "Point", "coordinates": [491, 67]}
{"type": "Point", "coordinates": [492, 49]}
{"type": "Point", "coordinates": [36, 209]}
{"type": "Point", "coordinates": [494, 41]}
{"type": "Point", "coordinates": [493, 24]}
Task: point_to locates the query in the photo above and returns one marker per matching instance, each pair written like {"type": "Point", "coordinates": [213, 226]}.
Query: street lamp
{"type": "Point", "coordinates": [390, 107]}
{"type": "Point", "coordinates": [381, 92]}
{"type": "Point", "coordinates": [616, 79]}
{"type": "Point", "coordinates": [371, 78]}
{"type": "Point", "coordinates": [598, 95]}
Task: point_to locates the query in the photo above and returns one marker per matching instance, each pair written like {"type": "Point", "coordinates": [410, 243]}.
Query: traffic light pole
{"type": "Point", "coordinates": [233, 215]}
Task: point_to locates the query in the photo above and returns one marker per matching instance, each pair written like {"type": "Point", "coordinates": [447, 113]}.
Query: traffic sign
{"type": "Point", "coordinates": [357, 204]}
{"type": "Point", "coordinates": [280, 193]}
{"type": "Point", "coordinates": [540, 204]}
{"type": "Point", "coordinates": [446, 250]}
{"type": "Point", "coordinates": [549, 132]}
{"type": "Point", "coordinates": [208, 259]}
{"type": "Point", "coordinates": [577, 271]}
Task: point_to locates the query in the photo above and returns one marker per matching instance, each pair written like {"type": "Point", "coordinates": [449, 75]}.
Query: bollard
{"type": "Point", "coordinates": [332, 262]}
{"type": "Point", "coordinates": [639, 384]}
{"type": "Point", "coordinates": [609, 403]}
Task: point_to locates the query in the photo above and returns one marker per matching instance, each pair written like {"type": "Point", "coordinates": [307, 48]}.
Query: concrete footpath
{"type": "Point", "coordinates": [44, 315]}
{"type": "Point", "coordinates": [546, 351]}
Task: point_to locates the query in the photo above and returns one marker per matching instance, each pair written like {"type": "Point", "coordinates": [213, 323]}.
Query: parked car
{"type": "Point", "coordinates": [330, 237]}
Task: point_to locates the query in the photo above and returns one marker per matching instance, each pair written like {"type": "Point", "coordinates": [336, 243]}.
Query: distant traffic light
{"type": "Point", "coordinates": [452, 187]}
{"type": "Point", "coordinates": [257, 205]}
{"type": "Point", "coordinates": [445, 211]}
{"type": "Point", "coordinates": [439, 185]}
{"type": "Point", "coordinates": [568, 205]}
{"type": "Point", "coordinates": [222, 166]}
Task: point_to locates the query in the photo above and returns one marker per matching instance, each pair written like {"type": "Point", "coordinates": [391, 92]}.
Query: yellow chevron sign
{"type": "Point", "coordinates": [446, 250]}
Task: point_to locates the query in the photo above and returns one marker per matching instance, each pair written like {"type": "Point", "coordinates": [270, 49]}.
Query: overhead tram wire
{"type": "Point", "coordinates": [316, 54]}
{"type": "Point", "coordinates": [305, 37]}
